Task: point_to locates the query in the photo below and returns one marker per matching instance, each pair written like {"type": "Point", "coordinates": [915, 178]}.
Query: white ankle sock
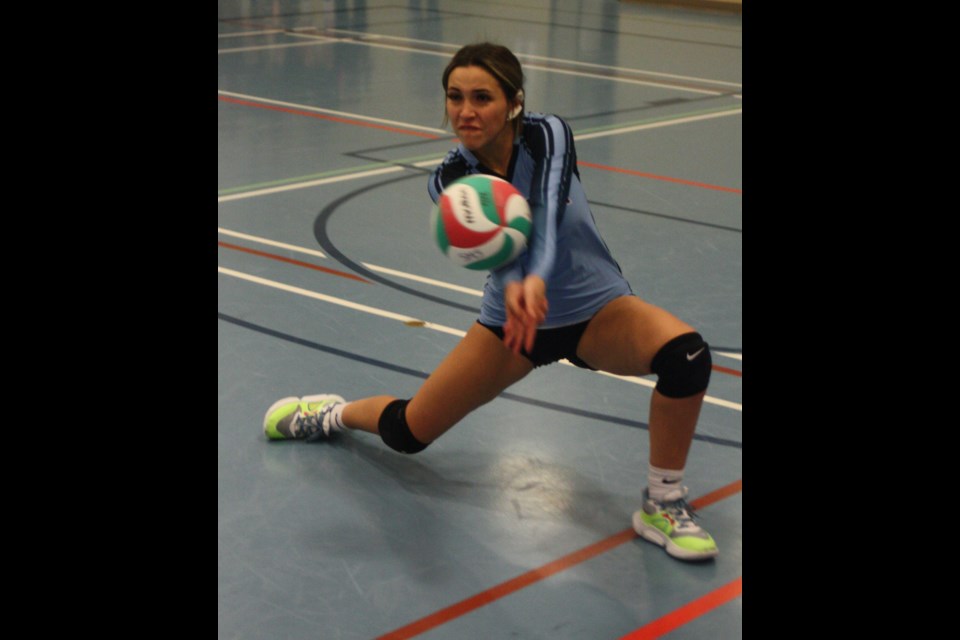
{"type": "Point", "coordinates": [662, 481]}
{"type": "Point", "coordinates": [336, 417]}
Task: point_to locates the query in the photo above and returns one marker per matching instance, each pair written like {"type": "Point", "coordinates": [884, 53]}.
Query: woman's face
{"type": "Point", "coordinates": [477, 109]}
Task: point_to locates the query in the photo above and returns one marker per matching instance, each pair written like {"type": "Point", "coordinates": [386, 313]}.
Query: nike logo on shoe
{"type": "Point", "coordinates": [665, 481]}
{"type": "Point", "coordinates": [691, 356]}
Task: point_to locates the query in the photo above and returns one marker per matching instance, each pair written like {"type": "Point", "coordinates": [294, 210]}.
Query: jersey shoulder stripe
{"type": "Point", "coordinates": [453, 167]}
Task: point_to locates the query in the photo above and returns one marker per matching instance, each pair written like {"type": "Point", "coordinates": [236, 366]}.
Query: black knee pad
{"type": "Point", "coordinates": [683, 366]}
{"type": "Point", "coordinates": [394, 430]}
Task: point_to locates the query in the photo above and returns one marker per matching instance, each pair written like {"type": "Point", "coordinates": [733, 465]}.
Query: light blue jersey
{"type": "Point", "coordinates": [565, 247]}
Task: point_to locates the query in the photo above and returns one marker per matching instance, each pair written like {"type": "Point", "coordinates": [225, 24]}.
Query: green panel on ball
{"type": "Point", "coordinates": [481, 186]}
{"type": "Point", "coordinates": [522, 225]}
{"type": "Point", "coordinates": [497, 259]}
{"type": "Point", "coordinates": [441, 235]}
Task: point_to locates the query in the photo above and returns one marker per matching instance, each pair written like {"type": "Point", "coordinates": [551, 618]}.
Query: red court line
{"type": "Point", "coordinates": [641, 174]}
{"type": "Point", "coordinates": [351, 276]}
{"type": "Point", "coordinates": [536, 575]}
{"type": "Point", "coordinates": [688, 612]}
{"type": "Point", "coordinates": [718, 495]}
{"type": "Point", "coordinates": [431, 136]}
{"type": "Point", "coordinates": [506, 588]}
{"type": "Point", "coordinates": [334, 272]}
{"type": "Point", "coordinates": [732, 372]}
{"type": "Point", "coordinates": [321, 116]}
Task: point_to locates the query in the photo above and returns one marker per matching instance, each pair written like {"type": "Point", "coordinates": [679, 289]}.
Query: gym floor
{"type": "Point", "coordinates": [516, 523]}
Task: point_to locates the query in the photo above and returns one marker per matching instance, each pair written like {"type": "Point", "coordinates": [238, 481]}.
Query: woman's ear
{"type": "Point", "coordinates": [517, 109]}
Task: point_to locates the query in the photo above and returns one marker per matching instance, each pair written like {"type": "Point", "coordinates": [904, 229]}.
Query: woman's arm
{"type": "Point", "coordinates": [551, 142]}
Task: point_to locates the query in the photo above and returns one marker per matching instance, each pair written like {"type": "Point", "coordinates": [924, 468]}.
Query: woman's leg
{"type": "Point", "coordinates": [632, 337]}
{"type": "Point", "coordinates": [623, 338]}
{"type": "Point", "coordinates": [478, 369]}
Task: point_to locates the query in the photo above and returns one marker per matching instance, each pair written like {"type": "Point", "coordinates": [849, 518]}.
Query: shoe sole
{"type": "Point", "coordinates": [659, 538]}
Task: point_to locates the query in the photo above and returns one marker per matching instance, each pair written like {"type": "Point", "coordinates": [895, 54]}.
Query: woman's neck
{"type": "Point", "coordinates": [497, 156]}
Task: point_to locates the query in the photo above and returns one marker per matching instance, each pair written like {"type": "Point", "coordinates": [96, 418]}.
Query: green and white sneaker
{"type": "Point", "coordinates": [670, 524]}
{"type": "Point", "coordinates": [306, 418]}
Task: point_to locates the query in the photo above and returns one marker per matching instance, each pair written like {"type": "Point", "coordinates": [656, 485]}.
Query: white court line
{"type": "Point", "coordinates": [341, 302]}
{"type": "Point", "coordinates": [424, 163]}
{"type": "Point", "coordinates": [529, 56]}
{"type": "Point", "coordinates": [275, 46]}
{"type": "Point", "coordinates": [548, 69]}
{"type": "Point", "coordinates": [439, 158]}
{"type": "Point", "coordinates": [302, 32]}
{"type": "Point", "coordinates": [372, 267]}
{"type": "Point", "coordinates": [322, 181]}
{"type": "Point", "coordinates": [319, 39]}
{"type": "Point", "coordinates": [342, 114]}
{"type": "Point", "coordinates": [654, 125]}
{"type": "Point", "coordinates": [411, 321]}
{"type": "Point", "coordinates": [648, 83]}
{"type": "Point", "coordinates": [391, 272]}
{"type": "Point", "coordinates": [272, 243]}
{"type": "Point", "coordinates": [310, 183]}
{"type": "Point", "coordinates": [245, 34]}
{"type": "Point", "coordinates": [416, 278]}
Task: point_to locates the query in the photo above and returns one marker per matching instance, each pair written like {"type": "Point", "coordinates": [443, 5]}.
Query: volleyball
{"type": "Point", "coordinates": [481, 222]}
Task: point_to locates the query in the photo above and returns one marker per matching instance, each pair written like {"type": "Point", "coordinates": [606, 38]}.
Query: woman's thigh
{"type": "Point", "coordinates": [478, 369]}
{"type": "Point", "coordinates": [626, 334]}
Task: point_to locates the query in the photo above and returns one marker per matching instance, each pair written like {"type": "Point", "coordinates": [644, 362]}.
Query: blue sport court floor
{"type": "Point", "coordinates": [516, 523]}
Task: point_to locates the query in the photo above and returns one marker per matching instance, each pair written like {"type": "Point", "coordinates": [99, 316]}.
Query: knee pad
{"type": "Point", "coordinates": [394, 430]}
{"type": "Point", "coordinates": [683, 366]}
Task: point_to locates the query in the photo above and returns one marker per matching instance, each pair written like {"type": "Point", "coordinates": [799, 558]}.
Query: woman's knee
{"type": "Point", "coordinates": [394, 430]}
{"type": "Point", "coordinates": [683, 366]}
{"type": "Point", "coordinates": [631, 336]}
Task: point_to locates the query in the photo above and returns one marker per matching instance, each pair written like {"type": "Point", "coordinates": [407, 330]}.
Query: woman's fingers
{"type": "Point", "coordinates": [526, 307]}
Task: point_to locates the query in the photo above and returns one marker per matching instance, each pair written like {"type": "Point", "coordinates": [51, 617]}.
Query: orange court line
{"type": "Point", "coordinates": [321, 116]}
{"type": "Point", "coordinates": [732, 372]}
{"type": "Point", "coordinates": [688, 612]}
{"type": "Point", "coordinates": [641, 174]}
{"type": "Point", "coordinates": [430, 136]}
{"type": "Point", "coordinates": [342, 274]}
{"type": "Point", "coordinates": [506, 588]}
{"type": "Point", "coordinates": [536, 575]}
{"type": "Point", "coordinates": [351, 276]}
{"type": "Point", "coordinates": [718, 495]}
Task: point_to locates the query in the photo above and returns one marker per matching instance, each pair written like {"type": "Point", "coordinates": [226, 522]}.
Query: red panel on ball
{"type": "Point", "coordinates": [501, 193]}
{"type": "Point", "coordinates": [459, 235]}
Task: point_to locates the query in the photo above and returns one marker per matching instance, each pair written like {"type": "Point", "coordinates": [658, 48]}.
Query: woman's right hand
{"type": "Point", "coordinates": [526, 305]}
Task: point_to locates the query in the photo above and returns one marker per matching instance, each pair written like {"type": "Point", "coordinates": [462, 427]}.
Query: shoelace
{"type": "Point", "coordinates": [681, 511]}
{"type": "Point", "coordinates": [309, 422]}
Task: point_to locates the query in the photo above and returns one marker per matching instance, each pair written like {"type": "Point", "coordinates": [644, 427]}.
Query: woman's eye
{"type": "Point", "coordinates": [454, 97]}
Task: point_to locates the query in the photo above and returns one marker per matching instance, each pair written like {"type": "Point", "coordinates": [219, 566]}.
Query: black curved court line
{"type": "Point", "coordinates": [423, 375]}
{"type": "Point", "coordinates": [665, 216]}
{"type": "Point", "coordinates": [320, 232]}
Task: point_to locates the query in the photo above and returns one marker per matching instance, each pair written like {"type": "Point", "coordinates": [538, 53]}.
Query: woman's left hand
{"type": "Point", "coordinates": [526, 304]}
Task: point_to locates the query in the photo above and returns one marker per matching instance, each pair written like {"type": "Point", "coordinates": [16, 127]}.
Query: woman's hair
{"type": "Point", "coordinates": [498, 62]}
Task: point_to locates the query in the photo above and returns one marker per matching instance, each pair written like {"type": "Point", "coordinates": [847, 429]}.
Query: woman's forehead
{"type": "Point", "coordinates": [472, 78]}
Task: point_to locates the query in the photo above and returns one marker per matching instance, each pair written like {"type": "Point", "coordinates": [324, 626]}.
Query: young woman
{"type": "Point", "coordinates": [565, 297]}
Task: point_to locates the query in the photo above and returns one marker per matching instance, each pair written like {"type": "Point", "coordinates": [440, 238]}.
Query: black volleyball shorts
{"type": "Point", "coordinates": [552, 345]}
